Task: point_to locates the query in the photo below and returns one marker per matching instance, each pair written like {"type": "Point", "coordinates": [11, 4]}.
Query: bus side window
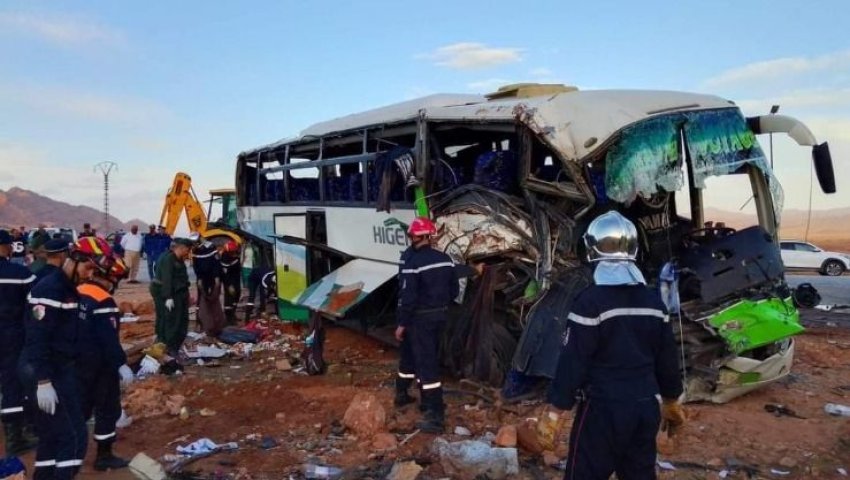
{"type": "Point", "coordinates": [303, 182]}
{"type": "Point", "coordinates": [397, 193]}
{"type": "Point", "coordinates": [343, 183]}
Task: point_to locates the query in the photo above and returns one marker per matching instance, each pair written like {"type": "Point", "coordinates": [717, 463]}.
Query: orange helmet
{"type": "Point", "coordinates": [421, 226]}
{"type": "Point", "coordinates": [94, 249]}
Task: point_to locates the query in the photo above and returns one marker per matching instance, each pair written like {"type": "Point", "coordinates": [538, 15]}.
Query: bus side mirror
{"type": "Point", "coordinates": [823, 167]}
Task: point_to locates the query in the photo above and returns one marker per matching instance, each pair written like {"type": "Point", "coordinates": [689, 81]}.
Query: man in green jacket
{"type": "Point", "coordinates": [170, 291]}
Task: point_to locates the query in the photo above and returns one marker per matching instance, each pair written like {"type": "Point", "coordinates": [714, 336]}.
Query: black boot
{"type": "Point", "coordinates": [434, 417]}
{"type": "Point", "coordinates": [402, 398]}
{"type": "Point", "coordinates": [105, 460]}
{"type": "Point", "coordinates": [16, 441]}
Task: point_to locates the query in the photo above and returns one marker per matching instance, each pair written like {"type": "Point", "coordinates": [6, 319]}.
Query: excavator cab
{"type": "Point", "coordinates": [221, 210]}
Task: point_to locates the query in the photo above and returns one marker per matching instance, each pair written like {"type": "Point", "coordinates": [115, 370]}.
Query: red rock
{"type": "Point", "coordinates": [526, 434]}
{"type": "Point", "coordinates": [506, 436]}
{"type": "Point", "coordinates": [384, 441]}
{"type": "Point", "coordinates": [365, 415]}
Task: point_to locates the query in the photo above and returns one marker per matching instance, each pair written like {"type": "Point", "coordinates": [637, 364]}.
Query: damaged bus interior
{"type": "Point", "coordinates": [512, 180]}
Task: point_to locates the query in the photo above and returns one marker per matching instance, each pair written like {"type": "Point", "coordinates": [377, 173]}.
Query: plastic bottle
{"type": "Point", "coordinates": [837, 410]}
{"type": "Point", "coordinates": [315, 471]}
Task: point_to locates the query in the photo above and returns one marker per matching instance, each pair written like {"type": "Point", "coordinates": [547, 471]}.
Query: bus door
{"type": "Point", "coordinates": [290, 264]}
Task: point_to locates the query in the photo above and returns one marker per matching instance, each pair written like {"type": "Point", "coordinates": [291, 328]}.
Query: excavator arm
{"type": "Point", "coordinates": [181, 198]}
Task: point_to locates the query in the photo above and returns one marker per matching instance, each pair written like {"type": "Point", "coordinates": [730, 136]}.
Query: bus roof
{"type": "Point", "coordinates": [573, 123]}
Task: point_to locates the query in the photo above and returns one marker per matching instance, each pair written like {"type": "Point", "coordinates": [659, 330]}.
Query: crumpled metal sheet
{"type": "Point", "coordinates": [471, 235]}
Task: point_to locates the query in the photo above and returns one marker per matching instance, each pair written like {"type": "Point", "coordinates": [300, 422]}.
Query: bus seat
{"type": "Point", "coordinates": [303, 189]}
{"type": "Point", "coordinates": [355, 187]}
{"type": "Point", "coordinates": [548, 173]}
{"type": "Point", "coordinates": [497, 170]}
{"type": "Point", "coordinates": [337, 190]}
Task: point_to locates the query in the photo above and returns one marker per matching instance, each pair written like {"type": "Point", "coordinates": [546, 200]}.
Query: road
{"type": "Point", "coordinates": [833, 290]}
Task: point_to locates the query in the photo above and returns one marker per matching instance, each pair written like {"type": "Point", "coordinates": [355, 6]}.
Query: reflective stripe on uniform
{"type": "Point", "coordinates": [69, 463]}
{"type": "Point", "coordinates": [205, 255]}
{"type": "Point", "coordinates": [428, 267]}
{"type": "Point", "coordinates": [9, 410]}
{"type": "Point", "coordinates": [616, 312]}
{"type": "Point", "coordinates": [104, 437]}
{"type": "Point", "coordinates": [44, 463]}
{"type": "Point", "coordinates": [52, 303]}
{"type": "Point", "coordinates": [431, 386]}
{"type": "Point", "coordinates": [406, 375]}
{"type": "Point", "coordinates": [18, 281]}
{"type": "Point", "coordinates": [106, 310]}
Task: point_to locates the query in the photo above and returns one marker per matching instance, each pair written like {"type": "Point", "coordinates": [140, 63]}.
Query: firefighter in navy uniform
{"type": "Point", "coordinates": [429, 283]}
{"type": "Point", "coordinates": [618, 354]}
{"type": "Point", "coordinates": [47, 364]}
{"type": "Point", "coordinates": [102, 366]}
{"type": "Point", "coordinates": [230, 270]}
{"type": "Point", "coordinates": [15, 283]}
{"type": "Point", "coordinates": [54, 252]}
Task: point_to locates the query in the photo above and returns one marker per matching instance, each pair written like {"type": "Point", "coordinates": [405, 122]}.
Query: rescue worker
{"type": "Point", "coordinates": [53, 255]}
{"type": "Point", "coordinates": [207, 266]}
{"type": "Point", "coordinates": [429, 282]}
{"type": "Point", "coordinates": [170, 292]}
{"type": "Point", "coordinates": [47, 360]}
{"type": "Point", "coordinates": [15, 283]}
{"type": "Point", "coordinates": [102, 366]}
{"type": "Point", "coordinates": [618, 354]}
{"type": "Point", "coordinates": [231, 279]}
{"type": "Point", "coordinates": [262, 285]}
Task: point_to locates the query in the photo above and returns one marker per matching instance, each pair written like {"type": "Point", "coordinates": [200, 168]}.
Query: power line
{"type": "Point", "coordinates": [106, 168]}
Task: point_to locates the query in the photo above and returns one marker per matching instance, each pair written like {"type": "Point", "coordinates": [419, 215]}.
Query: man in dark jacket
{"type": "Point", "coordinates": [102, 364]}
{"type": "Point", "coordinates": [47, 362]}
{"type": "Point", "coordinates": [15, 284]}
{"type": "Point", "coordinates": [618, 354]}
{"type": "Point", "coordinates": [170, 292]}
{"type": "Point", "coordinates": [429, 283]}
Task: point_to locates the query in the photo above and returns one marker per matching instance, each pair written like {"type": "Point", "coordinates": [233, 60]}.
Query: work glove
{"type": "Point", "coordinates": [672, 415]}
{"type": "Point", "coordinates": [47, 398]}
{"type": "Point", "coordinates": [169, 304]}
{"type": "Point", "coordinates": [126, 375]}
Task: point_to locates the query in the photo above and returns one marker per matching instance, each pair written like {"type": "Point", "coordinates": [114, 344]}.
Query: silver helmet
{"type": "Point", "coordinates": [611, 236]}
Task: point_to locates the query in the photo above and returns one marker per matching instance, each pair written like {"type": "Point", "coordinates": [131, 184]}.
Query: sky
{"type": "Point", "coordinates": [162, 86]}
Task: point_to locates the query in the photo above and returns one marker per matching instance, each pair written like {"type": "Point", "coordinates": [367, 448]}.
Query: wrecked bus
{"type": "Point", "coordinates": [513, 179]}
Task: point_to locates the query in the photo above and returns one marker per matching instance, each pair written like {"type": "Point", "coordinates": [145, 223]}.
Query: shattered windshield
{"type": "Point", "coordinates": [647, 158]}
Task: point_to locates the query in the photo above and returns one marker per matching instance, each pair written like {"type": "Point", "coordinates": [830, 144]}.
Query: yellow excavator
{"type": "Point", "coordinates": [181, 198]}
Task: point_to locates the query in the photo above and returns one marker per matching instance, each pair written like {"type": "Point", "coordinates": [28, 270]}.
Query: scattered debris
{"type": "Point", "coordinates": [146, 468]}
{"type": "Point", "coordinates": [471, 458]}
{"type": "Point", "coordinates": [206, 412]}
{"type": "Point", "coordinates": [781, 410]}
{"type": "Point", "coordinates": [837, 410]}
{"type": "Point", "coordinates": [462, 431]}
{"type": "Point", "coordinates": [506, 437]}
{"type": "Point", "coordinates": [782, 473]}
{"type": "Point", "coordinates": [315, 471]}
{"type": "Point", "coordinates": [384, 441]}
{"type": "Point", "coordinates": [283, 365]}
{"type": "Point", "coordinates": [404, 471]}
{"type": "Point", "coordinates": [787, 462]}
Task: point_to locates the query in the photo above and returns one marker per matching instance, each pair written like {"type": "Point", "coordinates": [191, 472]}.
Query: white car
{"type": "Point", "coordinates": [796, 254]}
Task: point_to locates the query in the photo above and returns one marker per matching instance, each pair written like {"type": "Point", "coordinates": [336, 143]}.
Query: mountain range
{"type": "Point", "coordinates": [20, 207]}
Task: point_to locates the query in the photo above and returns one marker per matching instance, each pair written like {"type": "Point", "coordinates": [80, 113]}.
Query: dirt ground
{"type": "Point", "coordinates": [253, 400]}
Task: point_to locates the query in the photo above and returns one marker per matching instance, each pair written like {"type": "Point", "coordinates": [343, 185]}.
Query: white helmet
{"type": "Point", "coordinates": [611, 236]}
